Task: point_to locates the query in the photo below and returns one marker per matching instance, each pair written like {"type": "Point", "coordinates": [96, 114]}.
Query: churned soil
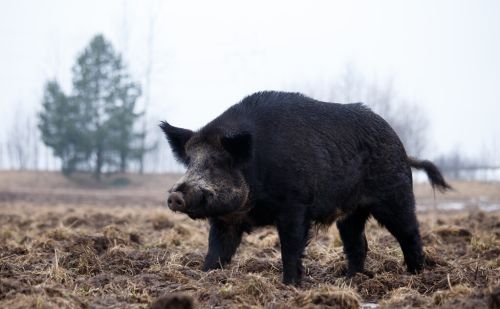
{"type": "Point", "coordinates": [111, 251]}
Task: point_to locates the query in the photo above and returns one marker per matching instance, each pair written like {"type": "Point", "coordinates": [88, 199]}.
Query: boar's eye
{"type": "Point", "coordinates": [217, 162]}
{"type": "Point", "coordinates": [239, 146]}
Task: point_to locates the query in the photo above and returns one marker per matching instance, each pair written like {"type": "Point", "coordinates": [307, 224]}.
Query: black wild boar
{"type": "Point", "coordinates": [287, 160]}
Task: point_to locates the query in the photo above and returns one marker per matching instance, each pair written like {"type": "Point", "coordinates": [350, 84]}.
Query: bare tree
{"type": "Point", "coordinates": [35, 138]}
{"type": "Point", "coordinates": [489, 153]}
{"type": "Point", "coordinates": [411, 125]}
{"type": "Point", "coordinates": [456, 165]}
{"type": "Point", "coordinates": [124, 28]}
{"type": "Point", "coordinates": [1, 157]}
{"type": "Point", "coordinates": [18, 143]}
{"type": "Point", "coordinates": [153, 67]}
{"type": "Point", "coordinates": [147, 86]}
{"type": "Point", "coordinates": [350, 88]}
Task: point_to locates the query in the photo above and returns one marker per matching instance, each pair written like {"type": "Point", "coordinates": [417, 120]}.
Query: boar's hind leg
{"type": "Point", "coordinates": [351, 231]}
{"type": "Point", "coordinates": [223, 240]}
{"type": "Point", "coordinates": [400, 219]}
{"type": "Point", "coordinates": [293, 230]}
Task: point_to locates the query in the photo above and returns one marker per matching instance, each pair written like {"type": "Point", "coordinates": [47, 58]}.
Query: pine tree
{"type": "Point", "coordinates": [107, 96]}
{"type": "Point", "coordinates": [123, 139]}
{"type": "Point", "coordinates": [97, 121]}
{"type": "Point", "coordinates": [60, 127]}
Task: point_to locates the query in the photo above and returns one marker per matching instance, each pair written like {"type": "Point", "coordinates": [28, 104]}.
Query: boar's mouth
{"type": "Point", "coordinates": [204, 209]}
{"type": "Point", "coordinates": [196, 215]}
{"type": "Point", "coordinates": [204, 214]}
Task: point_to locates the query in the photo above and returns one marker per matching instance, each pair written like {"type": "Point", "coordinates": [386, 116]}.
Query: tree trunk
{"type": "Point", "coordinates": [98, 164]}
{"type": "Point", "coordinates": [141, 155]}
{"type": "Point", "coordinates": [123, 162]}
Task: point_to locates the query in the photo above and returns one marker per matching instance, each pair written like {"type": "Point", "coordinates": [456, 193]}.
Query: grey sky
{"type": "Point", "coordinates": [209, 54]}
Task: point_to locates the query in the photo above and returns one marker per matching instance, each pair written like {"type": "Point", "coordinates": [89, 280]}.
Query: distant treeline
{"type": "Point", "coordinates": [96, 127]}
{"type": "Point", "coordinates": [99, 127]}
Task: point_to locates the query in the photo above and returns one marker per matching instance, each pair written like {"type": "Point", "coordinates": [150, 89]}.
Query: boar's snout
{"type": "Point", "coordinates": [176, 201]}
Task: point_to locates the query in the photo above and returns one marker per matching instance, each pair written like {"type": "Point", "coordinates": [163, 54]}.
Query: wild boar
{"type": "Point", "coordinates": [287, 160]}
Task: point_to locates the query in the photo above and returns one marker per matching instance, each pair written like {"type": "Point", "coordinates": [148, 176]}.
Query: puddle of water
{"type": "Point", "coordinates": [488, 207]}
{"type": "Point", "coordinates": [451, 206]}
{"type": "Point", "coordinates": [483, 198]}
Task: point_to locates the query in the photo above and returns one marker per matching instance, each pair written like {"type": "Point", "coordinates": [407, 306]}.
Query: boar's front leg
{"type": "Point", "coordinates": [223, 240]}
{"type": "Point", "coordinates": [293, 230]}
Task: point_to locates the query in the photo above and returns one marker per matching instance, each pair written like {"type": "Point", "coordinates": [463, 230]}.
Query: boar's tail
{"type": "Point", "coordinates": [435, 177]}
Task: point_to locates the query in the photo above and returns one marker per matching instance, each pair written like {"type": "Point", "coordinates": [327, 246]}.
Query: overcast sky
{"type": "Point", "coordinates": [207, 55]}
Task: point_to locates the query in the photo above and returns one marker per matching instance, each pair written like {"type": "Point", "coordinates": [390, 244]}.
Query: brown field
{"type": "Point", "coordinates": [76, 244]}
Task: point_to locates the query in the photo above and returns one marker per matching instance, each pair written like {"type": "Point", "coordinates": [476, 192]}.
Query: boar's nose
{"type": "Point", "coordinates": [175, 201]}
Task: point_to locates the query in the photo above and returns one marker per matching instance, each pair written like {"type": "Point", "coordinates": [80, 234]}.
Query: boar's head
{"type": "Point", "coordinates": [214, 183]}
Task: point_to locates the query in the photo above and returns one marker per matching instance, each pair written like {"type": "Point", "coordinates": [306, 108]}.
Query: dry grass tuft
{"type": "Point", "coordinates": [459, 291]}
{"type": "Point", "coordinates": [404, 298]}
{"type": "Point", "coordinates": [328, 297]}
{"type": "Point", "coordinates": [256, 290]}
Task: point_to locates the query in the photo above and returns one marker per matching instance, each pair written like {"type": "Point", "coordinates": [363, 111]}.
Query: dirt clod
{"type": "Point", "coordinates": [494, 298]}
{"type": "Point", "coordinates": [173, 301]}
{"type": "Point", "coordinates": [162, 223]}
{"type": "Point", "coordinates": [453, 233]}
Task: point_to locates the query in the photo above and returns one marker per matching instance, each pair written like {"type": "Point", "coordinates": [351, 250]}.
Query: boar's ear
{"type": "Point", "coordinates": [239, 146]}
{"type": "Point", "coordinates": [177, 138]}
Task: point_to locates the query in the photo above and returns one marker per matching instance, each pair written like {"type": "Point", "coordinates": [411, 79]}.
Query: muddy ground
{"type": "Point", "coordinates": [62, 246]}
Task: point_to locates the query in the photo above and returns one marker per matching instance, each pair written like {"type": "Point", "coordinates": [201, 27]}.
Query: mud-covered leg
{"type": "Point", "coordinates": [401, 221]}
{"type": "Point", "coordinates": [223, 240]}
{"type": "Point", "coordinates": [351, 230]}
{"type": "Point", "coordinates": [293, 230]}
